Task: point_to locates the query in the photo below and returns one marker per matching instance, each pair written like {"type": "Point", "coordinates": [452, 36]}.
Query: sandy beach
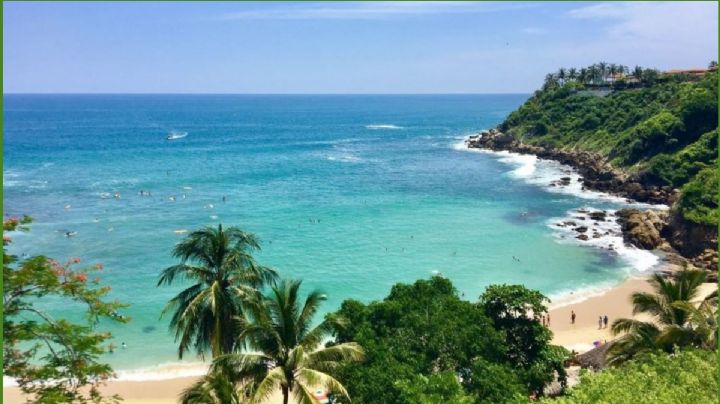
{"type": "Point", "coordinates": [579, 336]}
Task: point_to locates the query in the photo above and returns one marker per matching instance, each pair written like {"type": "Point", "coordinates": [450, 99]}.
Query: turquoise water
{"type": "Point", "coordinates": [352, 194]}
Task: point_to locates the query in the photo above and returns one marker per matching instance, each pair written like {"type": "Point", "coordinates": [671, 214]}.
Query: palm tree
{"type": "Point", "coordinates": [602, 70]}
{"type": "Point", "coordinates": [637, 72]}
{"type": "Point", "coordinates": [673, 323]}
{"type": "Point", "coordinates": [613, 70]}
{"type": "Point", "coordinates": [214, 388]}
{"type": "Point", "coordinates": [583, 75]}
{"type": "Point", "coordinates": [572, 73]}
{"type": "Point", "coordinates": [594, 74]}
{"type": "Point", "coordinates": [224, 274]}
{"type": "Point", "coordinates": [561, 75]}
{"type": "Point", "coordinates": [550, 81]}
{"type": "Point", "coordinates": [286, 351]}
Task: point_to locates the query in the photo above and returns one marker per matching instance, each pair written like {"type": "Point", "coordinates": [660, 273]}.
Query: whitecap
{"type": "Point", "coordinates": [605, 235]}
{"type": "Point", "coordinates": [163, 372]}
{"type": "Point", "coordinates": [549, 175]}
{"type": "Point", "coordinates": [382, 126]}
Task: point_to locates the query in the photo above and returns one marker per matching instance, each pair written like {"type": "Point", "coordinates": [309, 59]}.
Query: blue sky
{"type": "Point", "coordinates": [371, 47]}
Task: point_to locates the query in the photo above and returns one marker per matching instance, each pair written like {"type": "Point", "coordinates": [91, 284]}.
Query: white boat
{"type": "Point", "coordinates": [176, 135]}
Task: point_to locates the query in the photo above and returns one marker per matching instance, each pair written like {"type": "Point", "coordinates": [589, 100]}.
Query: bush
{"type": "Point", "coordinates": [684, 377]}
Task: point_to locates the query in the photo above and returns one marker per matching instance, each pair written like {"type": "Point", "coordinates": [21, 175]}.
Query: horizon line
{"type": "Point", "coordinates": [199, 93]}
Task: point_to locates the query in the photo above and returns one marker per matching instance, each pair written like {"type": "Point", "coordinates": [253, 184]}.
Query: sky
{"type": "Point", "coordinates": [343, 47]}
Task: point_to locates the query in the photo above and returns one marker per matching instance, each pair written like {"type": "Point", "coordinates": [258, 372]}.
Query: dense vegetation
{"type": "Point", "coordinates": [684, 377]}
{"type": "Point", "coordinates": [423, 344]}
{"type": "Point", "coordinates": [663, 128]}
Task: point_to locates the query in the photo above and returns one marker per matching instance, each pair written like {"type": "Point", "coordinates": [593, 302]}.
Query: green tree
{"type": "Point", "coordinates": [672, 324]}
{"type": "Point", "coordinates": [287, 352]}
{"type": "Point", "coordinates": [637, 72]}
{"type": "Point", "coordinates": [53, 359]}
{"type": "Point", "coordinates": [422, 328]}
{"type": "Point", "coordinates": [213, 388]}
{"type": "Point", "coordinates": [516, 311]}
{"type": "Point", "coordinates": [219, 263]}
{"type": "Point", "coordinates": [437, 388]}
{"type": "Point", "coordinates": [572, 73]}
{"type": "Point", "coordinates": [699, 198]}
{"type": "Point", "coordinates": [685, 377]}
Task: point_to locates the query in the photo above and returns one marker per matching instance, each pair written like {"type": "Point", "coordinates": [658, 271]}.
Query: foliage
{"type": "Point", "coordinates": [699, 199]}
{"type": "Point", "coordinates": [423, 332]}
{"type": "Point", "coordinates": [675, 322]}
{"type": "Point", "coordinates": [284, 351]}
{"type": "Point", "coordinates": [663, 129]}
{"type": "Point", "coordinates": [683, 377]}
{"type": "Point", "coordinates": [224, 274]}
{"type": "Point", "coordinates": [441, 387]}
{"type": "Point", "coordinates": [54, 360]}
{"type": "Point", "coordinates": [495, 383]}
{"type": "Point", "coordinates": [517, 310]}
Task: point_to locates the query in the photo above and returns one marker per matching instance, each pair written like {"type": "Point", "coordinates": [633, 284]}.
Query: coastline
{"type": "Point", "coordinates": [163, 383]}
{"type": "Point", "coordinates": [614, 303]}
{"type": "Point", "coordinates": [688, 243]}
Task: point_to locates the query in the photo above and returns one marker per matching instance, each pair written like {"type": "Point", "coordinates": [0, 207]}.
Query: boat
{"type": "Point", "coordinates": [176, 135]}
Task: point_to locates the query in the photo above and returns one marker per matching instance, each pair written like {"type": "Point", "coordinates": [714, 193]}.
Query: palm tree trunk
{"type": "Point", "coordinates": [286, 394]}
{"type": "Point", "coordinates": [217, 338]}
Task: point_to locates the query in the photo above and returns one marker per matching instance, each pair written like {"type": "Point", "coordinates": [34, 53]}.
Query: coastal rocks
{"type": "Point", "coordinates": [688, 238]}
{"type": "Point", "coordinates": [597, 173]}
{"type": "Point", "coordinates": [593, 227]}
{"type": "Point", "coordinates": [598, 216]}
{"type": "Point", "coordinates": [641, 228]}
{"type": "Point", "coordinates": [562, 182]}
{"type": "Point", "coordinates": [707, 260]}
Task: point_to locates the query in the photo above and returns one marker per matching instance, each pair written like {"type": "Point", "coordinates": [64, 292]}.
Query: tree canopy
{"type": "Point", "coordinates": [53, 359]}
{"type": "Point", "coordinates": [423, 344]}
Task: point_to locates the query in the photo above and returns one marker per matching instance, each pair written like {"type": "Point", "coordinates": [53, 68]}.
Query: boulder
{"type": "Point", "coordinates": [641, 228]}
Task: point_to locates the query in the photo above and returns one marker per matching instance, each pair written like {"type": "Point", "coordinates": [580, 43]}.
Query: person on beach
{"type": "Point", "coordinates": [600, 322]}
{"type": "Point", "coordinates": [572, 316]}
{"type": "Point", "coordinates": [548, 319]}
{"type": "Point", "coordinates": [605, 321]}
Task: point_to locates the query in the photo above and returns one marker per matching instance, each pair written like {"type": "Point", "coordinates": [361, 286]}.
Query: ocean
{"type": "Point", "coordinates": [350, 193]}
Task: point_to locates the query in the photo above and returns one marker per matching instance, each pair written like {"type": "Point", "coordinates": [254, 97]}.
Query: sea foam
{"type": "Point", "coordinates": [382, 126]}
{"type": "Point", "coordinates": [548, 174]}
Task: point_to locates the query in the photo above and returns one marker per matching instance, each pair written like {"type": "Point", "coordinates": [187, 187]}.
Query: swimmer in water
{"type": "Point", "coordinates": [224, 198]}
{"type": "Point", "coordinates": [124, 345]}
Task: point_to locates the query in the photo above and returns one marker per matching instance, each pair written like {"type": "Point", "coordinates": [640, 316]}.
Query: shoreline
{"type": "Point", "coordinates": [690, 243]}
{"type": "Point", "coordinates": [614, 303]}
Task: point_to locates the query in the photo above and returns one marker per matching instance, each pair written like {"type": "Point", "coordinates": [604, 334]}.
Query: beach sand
{"type": "Point", "coordinates": [615, 304]}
